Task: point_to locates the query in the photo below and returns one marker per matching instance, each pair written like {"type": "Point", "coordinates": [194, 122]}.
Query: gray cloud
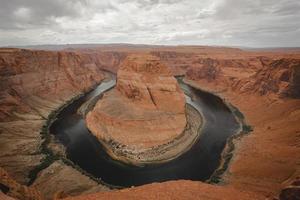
{"type": "Point", "coordinates": [15, 14]}
{"type": "Point", "coordinates": [207, 22]}
{"type": "Point", "coordinates": [288, 8]}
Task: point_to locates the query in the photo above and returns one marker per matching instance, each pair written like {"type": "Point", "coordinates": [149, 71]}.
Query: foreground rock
{"type": "Point", "coordinates": [14, 189]}
{"type": "Point", "coordinates": [169, 190]}
{"type": "Point", "coordinates": [21, 141]}
{"type": "Point", "coordinates": [175, 190]}
{"type": "Point", "coordinates": [65, 179]}
{"type": "Point", "coordinates": [144, 112]}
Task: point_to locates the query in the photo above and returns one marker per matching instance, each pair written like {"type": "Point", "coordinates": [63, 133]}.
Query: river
{"type": "Point", "coordinates": [198, 163]}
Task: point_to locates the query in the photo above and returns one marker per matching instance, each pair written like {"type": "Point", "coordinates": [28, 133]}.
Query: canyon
{"type": "Point", "coordinates": [263, 85]}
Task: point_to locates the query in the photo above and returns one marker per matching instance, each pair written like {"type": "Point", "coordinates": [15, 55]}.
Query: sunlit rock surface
{"type": "Point", "coordinates": [146, 109]}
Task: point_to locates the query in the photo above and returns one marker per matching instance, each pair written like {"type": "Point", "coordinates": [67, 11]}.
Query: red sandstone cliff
{"type": "Point", "coordinates": [32, 85]}
{"type": "Point", "coordinates": [27, 76]}
{"type": "Point", "coordinates": [280, 77]}
{"type": "Point", "coordinates": [269, 98]}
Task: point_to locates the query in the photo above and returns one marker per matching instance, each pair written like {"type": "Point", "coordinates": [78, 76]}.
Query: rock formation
{"type": "Point", "coordinates": [17, 190]}
{"type": "Point", "coordinates": [280, 77]}
{"type": "Point", "coordinates": [275, 76]}
{"type": "Point", "coordinates": [65, 179]}
{"type": "Point", "coordinates": [209, 70]}
{"type": "Point", "coordinates": [180, 189]}
{"type": "Point", "coordinates": [294, 80]}
{"type": "Point", "coordinates": [266, 96]}
{"type": "Point", "coordinates": [32, 85]}
{"type": "Point", "coordinates": [146, 110]}
{"type": "Point", "coordinates": [150, 85]}
{"type": "Point", "coordinates": [29, 77]}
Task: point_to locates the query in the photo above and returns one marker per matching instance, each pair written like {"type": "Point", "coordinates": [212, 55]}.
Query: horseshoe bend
{"type": "Point", "coordinates": [144, 114]}
{"type": "Point", "coordinates": [148, 122]}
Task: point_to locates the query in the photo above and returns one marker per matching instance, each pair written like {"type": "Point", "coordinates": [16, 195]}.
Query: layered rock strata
{"type": "Point", "coordinates": [32, 85]}
{"type": "Point", "coordinates": [143, 115]}
{"type": "Point", "coordinates": [267, 158]}
{"type": "Point", "coordinates": [278, 77]}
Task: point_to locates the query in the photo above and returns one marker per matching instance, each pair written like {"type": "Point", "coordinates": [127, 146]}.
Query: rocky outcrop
{"type": "Point", "coordinates": [280, 77]}
{"type": "Point", "coordinates": [146, 110]}
{"type": "Point", "coordinates": [30, 77]}
{"type": "Point", "coordinates": [271, 76]}
{"type": "Point", "coordinates": [20, 143]}
{"type": "Point", "coordinates": [32, 85]}
{"type": "Point", "coordinates": [105, 60]}
{"type": "Point", "coordinates": [209, 69]}
{"type": "Point", "coordinates": [181, 189]}
{"type": "Point", "coordinates": [65, 179]}
{"type": "Point", "coordinates": [208, 72]}
{"type": "Point", "coordinates": [17, 190]}
{"type": "Point", "coordinates": [178, 61]}
{"type": "Point", "coordinates": [150, 85]}
{"type": "Point", "coordinates": [294, 87]}
{"type": "Point", "coordinates": [272, 149]}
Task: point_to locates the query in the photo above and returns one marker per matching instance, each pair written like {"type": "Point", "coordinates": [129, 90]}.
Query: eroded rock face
{"type": "Point", "coordinates": [279, 77]}
{"type": "Point", "coordinates": [294, 88]}
{"type": "Point", "coordinates": [32, 85]}
{"type": "Point", "coordinates": [209, 69]}
{"type": "Point", "coordinates": [29, 77]}
{"type": "Point", "coordinates": [180, 189]}
{"type": "Point", "coordinates": [272, 76]}
{"type": "Point", "coordinates": [150, 84]}
{"type": "Point", "coordinates": [64, 178]}
{"type": "Point", "coordinates": [146, 109]}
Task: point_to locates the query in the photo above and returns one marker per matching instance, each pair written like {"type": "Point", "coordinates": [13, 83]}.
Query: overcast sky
{"type": "Point", "coordinates": [255, 23]}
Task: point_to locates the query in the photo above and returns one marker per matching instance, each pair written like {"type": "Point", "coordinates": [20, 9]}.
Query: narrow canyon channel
{"type": "Point", "coordinates": [198, 163]}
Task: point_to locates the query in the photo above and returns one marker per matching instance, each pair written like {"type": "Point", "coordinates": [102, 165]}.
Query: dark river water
{"type": "Point", "coordinates": [198, 163]}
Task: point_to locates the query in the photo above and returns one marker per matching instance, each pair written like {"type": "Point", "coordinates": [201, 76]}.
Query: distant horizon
{"type": "Point", "coordinates": [145, 44]}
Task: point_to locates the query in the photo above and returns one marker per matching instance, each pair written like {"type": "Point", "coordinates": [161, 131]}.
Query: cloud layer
{"type": "Point", "coordinates": [255, 23]}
